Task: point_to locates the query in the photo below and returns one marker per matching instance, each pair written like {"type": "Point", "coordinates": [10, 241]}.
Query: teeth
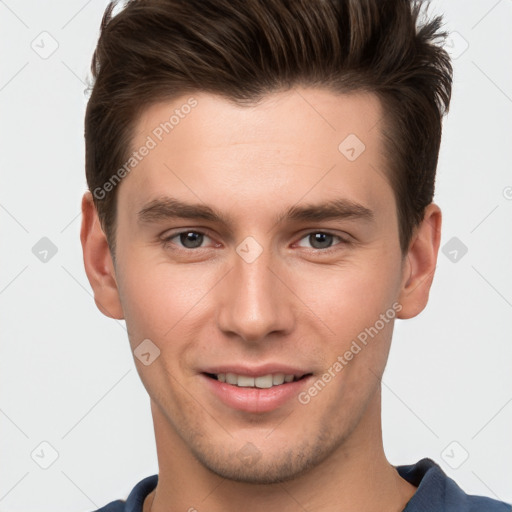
{"type": "Point", "coordinates": [231, 378]}
{"type": "Point", "coordinates": [245, 382]}
{"type": "Point", "coordinates": [265, 381]}
{"type": "Point", "coordinates": [262, 382]}
{"type": "Point", "coordinates": [277, 379]}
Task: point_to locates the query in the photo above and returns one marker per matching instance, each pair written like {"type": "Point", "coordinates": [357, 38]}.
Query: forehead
{"type": "Point", "coordinates": [291, 144]}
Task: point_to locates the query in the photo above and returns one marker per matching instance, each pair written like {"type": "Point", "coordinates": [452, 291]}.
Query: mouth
{"type": "Point", "coordinates": [261, 382]}
{"type": "Point", "coordinates": [256, 391]}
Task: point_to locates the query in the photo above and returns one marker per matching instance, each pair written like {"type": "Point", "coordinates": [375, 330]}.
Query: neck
{"type": "Point", "coordinates": [356, 476]}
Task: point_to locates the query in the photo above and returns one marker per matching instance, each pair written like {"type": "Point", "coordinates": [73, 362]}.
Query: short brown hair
{"type": "Point", "coordinates": [155, 50]}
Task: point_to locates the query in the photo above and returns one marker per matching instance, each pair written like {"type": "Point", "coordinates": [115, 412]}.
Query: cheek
{"type": "Point", "coordinates": [351, 297]}
{"type": "Point", "coordinates": [158, 297]}
{"type": "Point", "coordinates": [161, 305]}
{"type": "Point", "coordinates": [359, 308]}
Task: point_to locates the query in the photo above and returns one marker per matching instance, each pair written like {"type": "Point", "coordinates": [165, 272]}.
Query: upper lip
{"type": "Point", "coordinates": [256, 371]}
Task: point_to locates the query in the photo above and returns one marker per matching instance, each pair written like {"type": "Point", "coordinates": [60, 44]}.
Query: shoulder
{"type": "Point", "coordinates": [437, 491]}
{"type": "Point", "coordinates": [114, 506]}
{"type": "Point", "coordinates": [135, 499]}
{"type": "Point", "coordinates": [481, 503]}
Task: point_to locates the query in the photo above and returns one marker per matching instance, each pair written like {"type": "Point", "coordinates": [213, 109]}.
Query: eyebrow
{"type": "Point", "coordinates": [166, 208]}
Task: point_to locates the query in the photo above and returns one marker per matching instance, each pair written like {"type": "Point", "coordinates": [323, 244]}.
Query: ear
{"type": "Point", "coordinates": [98, 261]}
{"type": "Point", "coordinates": [420, 263]}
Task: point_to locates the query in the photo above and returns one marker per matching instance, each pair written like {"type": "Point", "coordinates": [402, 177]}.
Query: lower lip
{"type": "Point", "coordinates": [255, 400]}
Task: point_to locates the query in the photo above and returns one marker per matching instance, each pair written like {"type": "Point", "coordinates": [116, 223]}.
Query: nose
{"type": "Point", "coordinates": [255, 301]}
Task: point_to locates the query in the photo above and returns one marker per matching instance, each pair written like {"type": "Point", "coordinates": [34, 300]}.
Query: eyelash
{"type": "Point", "coordinates": [343, 241]}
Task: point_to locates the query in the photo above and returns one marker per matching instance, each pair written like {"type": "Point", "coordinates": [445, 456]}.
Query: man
{"type": "Point", "coordinates": [226, 143]}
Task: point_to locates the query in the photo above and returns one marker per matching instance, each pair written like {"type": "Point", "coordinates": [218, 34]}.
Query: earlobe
{"type": "Point", "coordinates": [98, 261]}
{"type": "Point", "coordinates": [420, 263]}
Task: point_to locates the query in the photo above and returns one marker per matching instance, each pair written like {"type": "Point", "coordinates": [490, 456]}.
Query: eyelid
{"type": "Point", "coordinates": [344, 240]}
{"type": "Point", "coordinates": [169, 235]}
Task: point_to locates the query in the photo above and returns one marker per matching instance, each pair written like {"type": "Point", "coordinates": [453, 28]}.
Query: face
{"type": "Point", "coordinates": [285, 264]}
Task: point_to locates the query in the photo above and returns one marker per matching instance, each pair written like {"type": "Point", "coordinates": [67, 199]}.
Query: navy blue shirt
{"type": "Point", "coordinates": [436, 493]}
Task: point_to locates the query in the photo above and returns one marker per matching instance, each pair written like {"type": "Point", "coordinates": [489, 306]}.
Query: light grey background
{"type": "Point", "coordinates": [67, 376]}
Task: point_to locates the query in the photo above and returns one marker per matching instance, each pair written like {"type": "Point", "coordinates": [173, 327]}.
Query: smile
{"type": "Point", "coordinates": [263, 382]}
{"type": "Point", "coordinates": [255, 393]}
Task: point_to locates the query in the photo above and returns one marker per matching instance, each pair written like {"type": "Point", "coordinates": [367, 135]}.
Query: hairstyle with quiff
{"type": "Point", "coordinates": [157, 50]}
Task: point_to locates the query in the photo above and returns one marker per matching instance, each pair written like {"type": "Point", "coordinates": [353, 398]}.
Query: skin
{"type": "Point", "coordinates": [295, 304]}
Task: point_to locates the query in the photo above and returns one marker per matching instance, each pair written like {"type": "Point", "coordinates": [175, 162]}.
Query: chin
{"type": "Point", "coordinates": [253, 467]}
